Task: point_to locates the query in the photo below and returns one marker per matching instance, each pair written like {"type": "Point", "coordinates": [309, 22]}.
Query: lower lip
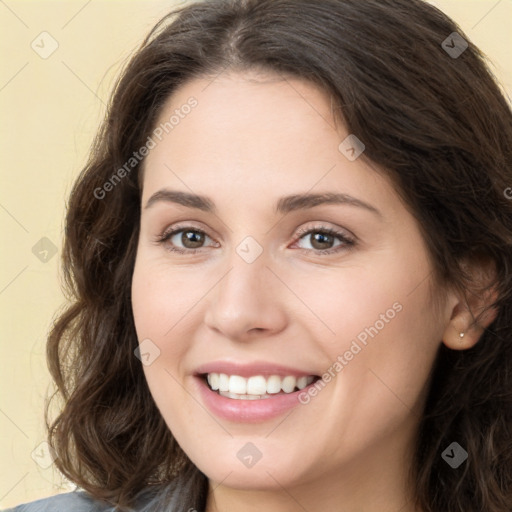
{"type": "Point", "coordinates": [248, 411]}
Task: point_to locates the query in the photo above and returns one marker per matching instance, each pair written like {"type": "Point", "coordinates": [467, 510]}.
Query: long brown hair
{"type": "Point", "coordinates": [436, 122]}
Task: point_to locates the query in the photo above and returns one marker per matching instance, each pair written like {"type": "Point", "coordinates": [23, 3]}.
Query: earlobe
{"type": "Point", "coordinates": [469, 321]}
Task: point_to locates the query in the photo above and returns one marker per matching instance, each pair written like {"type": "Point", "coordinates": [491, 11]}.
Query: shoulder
{"type": "Point", "coordinates": [179, 494]}
{"type": "Point", "coordinates": [76, 501]}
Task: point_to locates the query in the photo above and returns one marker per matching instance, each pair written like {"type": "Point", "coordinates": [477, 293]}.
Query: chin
{"type": "Point", "coordinates": [230, 464]}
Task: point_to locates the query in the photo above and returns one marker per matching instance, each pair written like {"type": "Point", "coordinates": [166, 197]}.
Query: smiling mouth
{"type": "Point", "coordinates": [256, 387]}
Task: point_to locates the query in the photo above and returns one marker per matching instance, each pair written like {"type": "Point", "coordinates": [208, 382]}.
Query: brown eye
{"type": "Point", "coordinates": [192, 239]}
{"type": "Point", "coordinates": [321, 240]}
{"type": "Point", "coordinates": [185, 240]}
{"type": "Point", "coordinates": [324, 240]}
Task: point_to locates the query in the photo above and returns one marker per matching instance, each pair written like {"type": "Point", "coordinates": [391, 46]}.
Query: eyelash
{"type": "Point", "coordinates": [347, 242]}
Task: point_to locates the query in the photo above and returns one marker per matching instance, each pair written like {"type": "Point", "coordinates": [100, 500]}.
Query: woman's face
{"type": "Point", "coordinates": [260, 296]}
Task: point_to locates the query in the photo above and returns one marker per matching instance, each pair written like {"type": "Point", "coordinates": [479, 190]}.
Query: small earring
{"type": "Point", "coordinates": [461, 335]}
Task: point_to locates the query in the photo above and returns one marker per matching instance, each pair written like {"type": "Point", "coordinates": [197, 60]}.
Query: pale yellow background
{"type": "Point", "coordinates": [50, 109]}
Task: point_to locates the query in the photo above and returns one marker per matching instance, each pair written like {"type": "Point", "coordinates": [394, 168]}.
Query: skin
{"type": "Point", "coordinates": [250, 140]}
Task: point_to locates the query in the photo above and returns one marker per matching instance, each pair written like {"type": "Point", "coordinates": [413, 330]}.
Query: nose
{"type": "Point", "coordinates": [247, 301]}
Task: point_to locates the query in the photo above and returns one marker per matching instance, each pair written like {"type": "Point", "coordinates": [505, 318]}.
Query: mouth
{"type": "Point", "coordinates": [251, 392]}
{"type": "Point", "coordinates": [255, 387]}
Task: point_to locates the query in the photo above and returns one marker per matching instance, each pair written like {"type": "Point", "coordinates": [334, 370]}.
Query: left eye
{"type": "Point", "coordinates": [322, 240]}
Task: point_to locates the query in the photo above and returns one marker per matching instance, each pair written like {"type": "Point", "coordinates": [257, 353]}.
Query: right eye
{"type": "Point", "coordinates": [191, 238]}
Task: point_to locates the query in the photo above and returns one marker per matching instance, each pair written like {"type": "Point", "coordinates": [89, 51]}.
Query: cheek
{"type": "Point", "coordinates": [391, 370]}
{"type": "Point", "coordinates": [161, 296]}
{"type": "Point", "coordinates": [165, 304]}
{"type": "Point", "coordinates": [158, 303]}
{"type": "Point", "coordinates": [384, 335]}
{"type": "Point", "coordinates": [363, 301]}
{"type": "Point", "coordinates": [160, 300]}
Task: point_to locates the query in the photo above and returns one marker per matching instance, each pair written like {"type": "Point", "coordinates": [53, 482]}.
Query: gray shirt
{"type": "Point", "coordinates": [178, 496]}
{"type": "Point", "coordinates": [76, 501]}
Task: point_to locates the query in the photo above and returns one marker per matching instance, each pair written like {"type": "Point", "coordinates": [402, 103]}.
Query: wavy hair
{"type": "Point", "coordinates": [440, 128]}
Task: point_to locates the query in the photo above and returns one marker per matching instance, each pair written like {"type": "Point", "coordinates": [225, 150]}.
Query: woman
{"type": "Point", "coordinates": [289, 255]}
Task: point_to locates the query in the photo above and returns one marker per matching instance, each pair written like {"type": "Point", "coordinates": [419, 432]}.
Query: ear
{"type": "Point", "coordinates": [473, 310]}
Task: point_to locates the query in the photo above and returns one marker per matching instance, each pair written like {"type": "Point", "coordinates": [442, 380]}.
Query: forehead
{"type": "Point", "coordinates": [249, 112]}
{"type": "Point", "coordinates": [253, 136]}
{"type": "Point", "coordinates": [236, 115]}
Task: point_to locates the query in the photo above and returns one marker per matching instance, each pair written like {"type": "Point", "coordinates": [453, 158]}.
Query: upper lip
{"type": "Point", "coordinates": [250, 369]}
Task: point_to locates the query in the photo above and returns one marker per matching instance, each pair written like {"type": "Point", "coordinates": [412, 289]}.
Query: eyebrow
{"type": "Point", "coordinates": [284, 205]}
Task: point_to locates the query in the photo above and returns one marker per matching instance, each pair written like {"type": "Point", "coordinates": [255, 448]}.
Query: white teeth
{"type": "Point", "coordinates": [302, 382]}
{"type": "Point", "coordinates": [256, 385]}
{"type": "Point", "coordinates": [253, 388]}
{"type": "Point", "coordinates": [213, 380]}
{"type": "Point", "coordinates": [242, 397]}
{"type": "Point", "coordinates": [273, 384]}
{"type": "Point", "coordinates": [288, 384]}
{"type": "Point", "coordinates": [237, 385]}
{"type": "Point", "coordinates": [223, 381]}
